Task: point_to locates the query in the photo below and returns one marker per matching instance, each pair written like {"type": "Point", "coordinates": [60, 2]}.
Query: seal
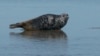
{"type": "Point", "coordinates": [43, 22]}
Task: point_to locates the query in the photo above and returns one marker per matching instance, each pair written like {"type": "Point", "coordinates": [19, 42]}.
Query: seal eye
{"type": "Point", "coordinates": [65, 15]}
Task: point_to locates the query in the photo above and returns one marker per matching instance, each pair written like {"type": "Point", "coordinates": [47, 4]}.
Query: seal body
{"type": "Point", "coordinates": [43, 22]}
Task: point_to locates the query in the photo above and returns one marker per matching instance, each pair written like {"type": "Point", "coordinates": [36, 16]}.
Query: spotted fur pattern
{"type": "Point", "coordinates": [49, 22]}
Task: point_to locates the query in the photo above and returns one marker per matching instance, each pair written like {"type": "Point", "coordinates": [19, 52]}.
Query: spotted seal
{"type": "Point", "coordinates": [43, 22]}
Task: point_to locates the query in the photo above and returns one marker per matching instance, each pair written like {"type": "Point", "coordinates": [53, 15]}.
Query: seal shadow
{"type": "Point", "coordinates": [52, 34]}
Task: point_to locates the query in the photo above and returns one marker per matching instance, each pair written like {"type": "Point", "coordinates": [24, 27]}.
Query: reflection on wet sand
{"type": "Point", "coordinates": [41, 34]}
{"type": "Point", "coordinates": [40, 43]}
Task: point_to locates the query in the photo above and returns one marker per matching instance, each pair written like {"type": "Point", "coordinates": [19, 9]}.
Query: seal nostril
{"type": "Point", "coordinates": [67, 15]}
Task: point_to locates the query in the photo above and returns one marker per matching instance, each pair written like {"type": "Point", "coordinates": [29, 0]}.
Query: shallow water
{"type": "Point", "coordinates": [80, 37]}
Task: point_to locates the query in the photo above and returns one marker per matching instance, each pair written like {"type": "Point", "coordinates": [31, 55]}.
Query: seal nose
{"type": "Point", "coordinates": [67, 15]}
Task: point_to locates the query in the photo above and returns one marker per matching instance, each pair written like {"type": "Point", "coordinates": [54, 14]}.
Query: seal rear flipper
{"type": "Point", "coordinates": [17, 25]}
